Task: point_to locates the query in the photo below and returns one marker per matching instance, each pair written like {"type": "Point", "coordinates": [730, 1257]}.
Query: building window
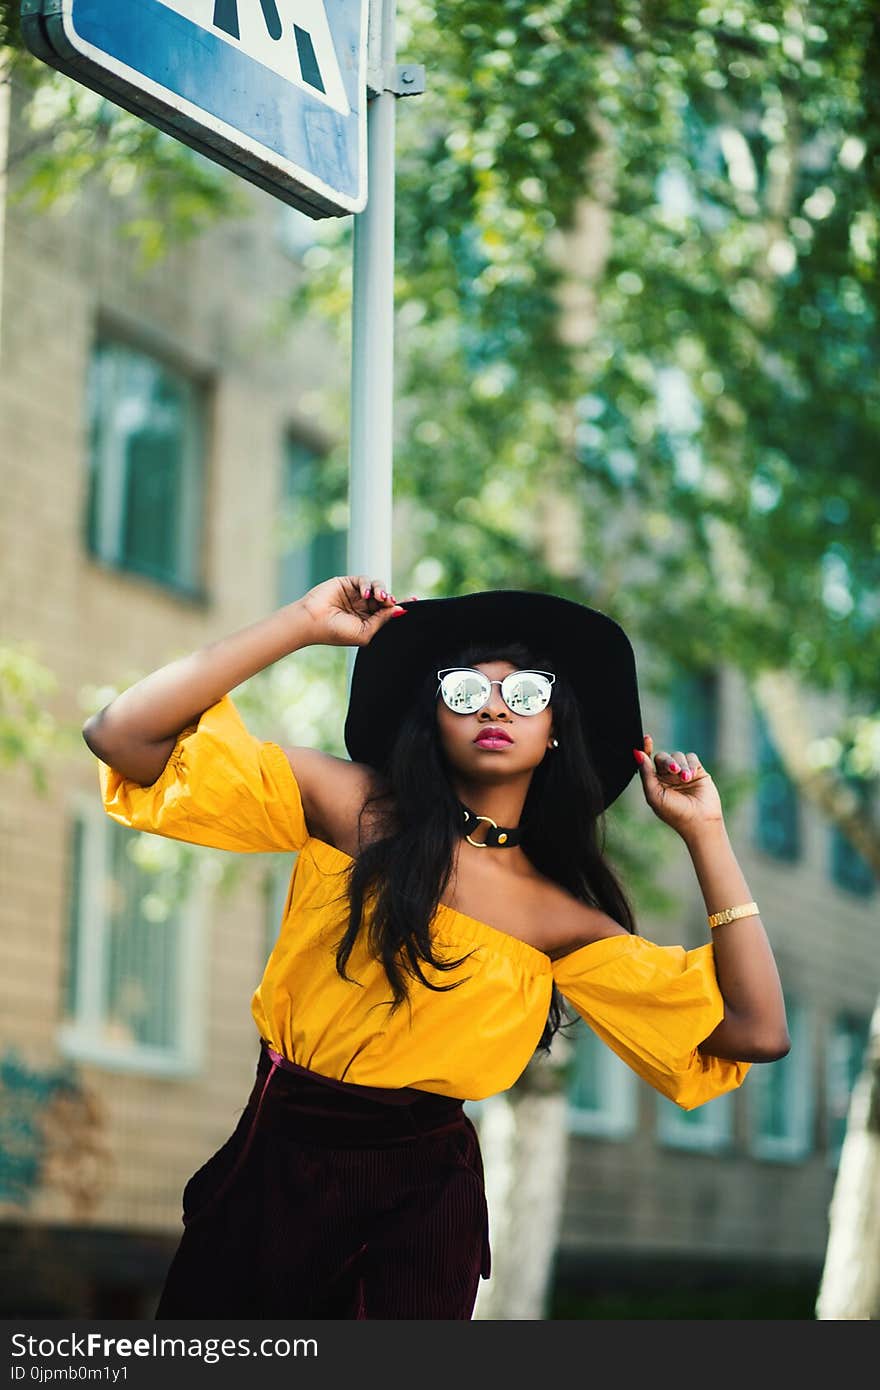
{"type": "Point", "coordinates": [847, 866]}
{"type": "Point", "coordinates": [693, 715]}
{"type": "Point", "coordinates": [708, 1129]}
{"type": "Point", "coordinates": [777, 812]}
{"type": "Point", "coordinates": [145, 492]}
{"type": "Point", "coordinates": [132, 954]}
{"type": "Point", "coordinates": [843, 1062]}
{"type": "Point", "coordinates": [781, 1095]}
{"type": "Point", "coordinates": [602, 1091]}
{"type": "Point", "coordinates": [313, 540]}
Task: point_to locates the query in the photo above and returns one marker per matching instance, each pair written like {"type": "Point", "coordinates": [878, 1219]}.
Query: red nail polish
{"type": "Point", "coordinates": [640, 757]}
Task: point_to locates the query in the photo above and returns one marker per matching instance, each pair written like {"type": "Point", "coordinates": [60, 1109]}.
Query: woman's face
{"type": "Point", "coordinates": [529, 734]}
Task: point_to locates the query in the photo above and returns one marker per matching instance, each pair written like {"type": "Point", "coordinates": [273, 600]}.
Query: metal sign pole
{"type": "Point", "coordinates": [372, 328]}
{"type": "Point", "coordinates": [372, 323]}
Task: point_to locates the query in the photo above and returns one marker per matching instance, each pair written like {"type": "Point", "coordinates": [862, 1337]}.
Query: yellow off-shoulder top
{"type": "Point", "coordinates": [653, 1005]}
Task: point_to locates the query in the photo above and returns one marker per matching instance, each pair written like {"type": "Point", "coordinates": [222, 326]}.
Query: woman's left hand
{"type": "Point", "coordinates": [684, 802]}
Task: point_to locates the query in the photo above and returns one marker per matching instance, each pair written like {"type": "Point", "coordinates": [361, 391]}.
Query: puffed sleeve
{"type": "Point", "coordinates": [653, 1005]}
{"type": "Point", "coordinates": [220, 787]}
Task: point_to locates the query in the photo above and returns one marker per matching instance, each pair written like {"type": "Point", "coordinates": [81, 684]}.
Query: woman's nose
{"type": "Point", "coordinates": [494, 710]}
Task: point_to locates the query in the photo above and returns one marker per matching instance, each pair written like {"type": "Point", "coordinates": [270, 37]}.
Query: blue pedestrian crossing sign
{"type": "Point", "coordinates": [275, 90]}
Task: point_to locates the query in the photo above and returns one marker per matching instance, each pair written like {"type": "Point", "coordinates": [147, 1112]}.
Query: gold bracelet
{"type": "Point", "coordinates": [728, 914]}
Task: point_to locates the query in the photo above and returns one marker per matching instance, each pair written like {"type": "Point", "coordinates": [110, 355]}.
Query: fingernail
{"type": "Point", "coordinates": [398, 612]}
{"type": "Point", "coordinates": [685, 776]}
{"type": "Point", "coordinates": [640, 757]}
{"type": "Point", "coordinates": [673, 767]}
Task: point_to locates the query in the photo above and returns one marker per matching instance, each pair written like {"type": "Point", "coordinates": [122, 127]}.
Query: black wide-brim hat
{"type": "Point", "coordinates": [586, 646]}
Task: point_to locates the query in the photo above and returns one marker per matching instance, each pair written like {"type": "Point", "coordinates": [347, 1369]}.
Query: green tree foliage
{"type": "Point", "coordinates": [729, 388]}
{"type": "Point", "coordinates": [29, 733]}
{"type": "Point", "coordinates": [716, 426]}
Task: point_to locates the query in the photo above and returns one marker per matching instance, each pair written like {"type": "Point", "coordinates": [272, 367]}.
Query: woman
{"type": "Point", "coordinates": [450, 894]}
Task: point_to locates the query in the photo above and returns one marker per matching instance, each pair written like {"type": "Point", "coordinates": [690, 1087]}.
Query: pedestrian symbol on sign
{"type": "Point", "coordinates": [291, 37]}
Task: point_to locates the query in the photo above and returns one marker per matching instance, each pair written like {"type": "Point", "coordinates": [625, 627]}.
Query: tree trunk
{"type": "Point", "coordinates": [524, 1141]}
{"type": "Point", "coordinates": [850, 1285]}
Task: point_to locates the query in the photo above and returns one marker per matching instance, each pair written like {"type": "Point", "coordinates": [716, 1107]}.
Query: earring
{"type": "Point", "coordinates": [554, 743]}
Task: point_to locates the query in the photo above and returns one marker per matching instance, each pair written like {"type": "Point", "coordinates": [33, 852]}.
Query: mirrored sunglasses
{"type": "Point", "coordinates": [466, 690]}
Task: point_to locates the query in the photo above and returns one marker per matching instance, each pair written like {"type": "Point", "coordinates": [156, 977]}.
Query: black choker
{"type": "Point", "coordinates": [497, 836]}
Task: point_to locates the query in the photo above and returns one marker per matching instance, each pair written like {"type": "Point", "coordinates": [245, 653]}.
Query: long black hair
{"type": "Point", "coordinates": [404, 869]}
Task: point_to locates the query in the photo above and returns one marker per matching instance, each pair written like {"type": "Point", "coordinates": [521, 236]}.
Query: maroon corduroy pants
{"type": "Point", "coordinates": [331, 1200]}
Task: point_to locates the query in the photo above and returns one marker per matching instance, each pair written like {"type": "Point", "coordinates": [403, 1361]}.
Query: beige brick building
{"type": "Point", "coordinates": [152, 426]}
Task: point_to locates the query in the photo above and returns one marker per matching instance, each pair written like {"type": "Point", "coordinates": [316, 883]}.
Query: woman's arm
{"type": "Point", "coordinates": [136, 732]}
{"type": "Point", "coordinates": [683, 795]}
{"type": "Point", "coordinates": [754, 1027]}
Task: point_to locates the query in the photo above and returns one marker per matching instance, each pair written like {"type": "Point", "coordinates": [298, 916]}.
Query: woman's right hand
{"type": "Point", "coordinates": [348, 611]}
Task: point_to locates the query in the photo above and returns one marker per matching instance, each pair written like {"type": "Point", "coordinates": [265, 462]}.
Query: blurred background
{"type": "Point", "coordinates": [636, 365]}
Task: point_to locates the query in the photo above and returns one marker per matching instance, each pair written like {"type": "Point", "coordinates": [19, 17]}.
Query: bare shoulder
{"type": "Point", "coordinates": [333, 791]}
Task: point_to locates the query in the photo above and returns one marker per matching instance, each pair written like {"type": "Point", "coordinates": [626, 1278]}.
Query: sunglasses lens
{"type": "Point", "coordinates": [527, 692]}
{"type": "Point", "coordinates": [464, 691]}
